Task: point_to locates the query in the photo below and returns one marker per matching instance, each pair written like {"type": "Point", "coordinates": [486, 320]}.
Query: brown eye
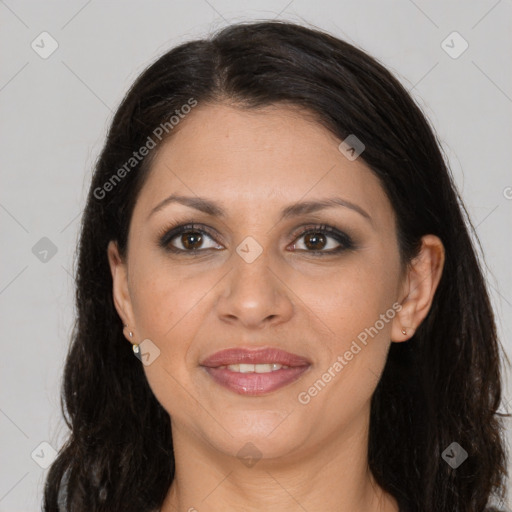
{"type": "Point", "coordinates": [188, 239]}
{"type": "Point", "coordinates": [191, 239]}
{"type": "Point", "coordinates": [315, 241]}
{"type": "Point", "coordinates": [323, 240]}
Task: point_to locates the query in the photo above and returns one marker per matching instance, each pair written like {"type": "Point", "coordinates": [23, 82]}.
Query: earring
{"type": "Point", "coordinates": [404, 331]}
{"type": "Point", "coordinates": [135, 346]}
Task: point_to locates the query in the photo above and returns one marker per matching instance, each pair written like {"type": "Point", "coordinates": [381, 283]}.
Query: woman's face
{"type": "Point", "coordinates": [249, 278]}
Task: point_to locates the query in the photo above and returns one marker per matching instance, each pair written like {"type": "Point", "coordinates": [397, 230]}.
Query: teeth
{"type": "Point", "coordinates": [254, 368]}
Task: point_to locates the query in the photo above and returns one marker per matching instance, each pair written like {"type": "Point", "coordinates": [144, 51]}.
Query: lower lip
{"type": "Point", "coordinates": [255, 384]}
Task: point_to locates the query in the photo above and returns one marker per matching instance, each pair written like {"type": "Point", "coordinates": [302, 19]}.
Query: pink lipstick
{"type": "Point", "coordinates": [255, 371]}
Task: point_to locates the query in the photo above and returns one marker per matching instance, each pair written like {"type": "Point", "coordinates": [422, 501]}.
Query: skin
{"type": "Point", "coordinates": [254, 164]}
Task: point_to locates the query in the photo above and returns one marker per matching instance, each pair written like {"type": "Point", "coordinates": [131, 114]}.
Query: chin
{"type": "Point", "coordinates": [273, 433]}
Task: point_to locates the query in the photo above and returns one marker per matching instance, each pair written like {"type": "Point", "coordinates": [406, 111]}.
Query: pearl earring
{"type": "Point", "coordinates": [404, 331]}
{"type": "Point", "coordinates": [135, 346]}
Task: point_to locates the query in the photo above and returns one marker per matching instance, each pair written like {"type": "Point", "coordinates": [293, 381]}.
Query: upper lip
{"type": "Point", "coordinates": [254, 356]}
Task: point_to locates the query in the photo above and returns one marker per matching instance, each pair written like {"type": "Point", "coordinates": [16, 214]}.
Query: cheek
{"type": "Point", "coordinates": [353, 308]}
{"type": "Point", "coordinates": [166, 307]}
{"type": "Point", "coordinates": [164, 298]}
{"type": "Point", "coordinates": [350, 297]}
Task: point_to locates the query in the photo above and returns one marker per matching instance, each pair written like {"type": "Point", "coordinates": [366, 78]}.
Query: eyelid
{"type": "Point", "coordinates": [345, 241]}
{"type": "Point", "coordinates": [168, 233]}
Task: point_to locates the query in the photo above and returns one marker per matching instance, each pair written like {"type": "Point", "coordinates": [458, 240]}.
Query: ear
{"type": "Point", "coordinates": [420, 283]}
{"type": "Point", "coordinates": [120, 289]}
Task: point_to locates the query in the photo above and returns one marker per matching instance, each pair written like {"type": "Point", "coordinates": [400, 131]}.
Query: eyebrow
{"type": "Point", "coordinates": [214, 209]}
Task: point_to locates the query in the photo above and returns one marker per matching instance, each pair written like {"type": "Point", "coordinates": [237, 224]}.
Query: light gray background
{"type": "Point", "coordinates": [54, 113]}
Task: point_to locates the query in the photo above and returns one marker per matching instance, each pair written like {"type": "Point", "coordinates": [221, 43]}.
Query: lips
{"type": "Point", "coordinates": [254, 356]}
{"type": "Point", "coordinates": [237, 369]}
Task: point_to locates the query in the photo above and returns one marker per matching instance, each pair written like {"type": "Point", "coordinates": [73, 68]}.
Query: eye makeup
{"type": "Point", "coordinates": [200, 232]}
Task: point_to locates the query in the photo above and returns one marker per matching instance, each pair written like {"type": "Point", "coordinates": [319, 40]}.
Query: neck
{"type": "Point", "coordinates": [332, 476]}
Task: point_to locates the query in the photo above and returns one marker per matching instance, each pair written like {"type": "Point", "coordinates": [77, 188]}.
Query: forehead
{"type": "Point", "coordinates": [255, 158]}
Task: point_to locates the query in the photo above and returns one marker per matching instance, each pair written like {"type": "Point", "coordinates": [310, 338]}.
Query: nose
{"type": "Point", "coordinates": [255, 294]}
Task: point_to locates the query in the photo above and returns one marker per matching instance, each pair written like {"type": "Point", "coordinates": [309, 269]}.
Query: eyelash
{"type": "Point", "coordinates": [168, 234]}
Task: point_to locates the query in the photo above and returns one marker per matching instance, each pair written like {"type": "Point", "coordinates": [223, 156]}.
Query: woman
{"type": "Point", "coordinates": [272, 227]}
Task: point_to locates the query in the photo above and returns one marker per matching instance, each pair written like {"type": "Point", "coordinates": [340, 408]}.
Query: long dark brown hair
{"type": "Point", "coordinates": [440, 387]}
